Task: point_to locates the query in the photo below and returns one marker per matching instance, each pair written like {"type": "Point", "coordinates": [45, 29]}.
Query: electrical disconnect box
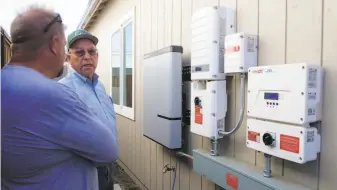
{"type": "Point", "coordinates": [163, 96]}
{"type": "Point", "coordinates": [290, 142]}
{"type": "Point", "coordinates": [209, 27]}
{"type": "Point", "coordinates": [209, 107]}
{"type": "Point", "coordinates": [284, 103]}
{"type": "Point", "coordinates": [240, 52]}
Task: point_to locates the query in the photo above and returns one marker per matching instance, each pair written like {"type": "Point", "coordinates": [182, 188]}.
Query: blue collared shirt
{"type": "Point", "coordinates": [49, 138]}
{"type": "Point", "coordinates": [93, 94]}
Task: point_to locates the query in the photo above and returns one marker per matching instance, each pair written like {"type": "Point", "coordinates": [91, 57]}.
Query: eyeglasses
{"type": "Point", "coordinates": [81, 53]}
{"type": "Point", "coordinates": [55, 20]}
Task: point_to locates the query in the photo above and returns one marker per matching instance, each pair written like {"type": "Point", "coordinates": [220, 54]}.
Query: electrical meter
{"type": "Point", "coordinates": [209, 27]}
{"type": "Point", "coordinates": [290, 142]}
{"type": "Point", "coordinates": [209, 107]}
{"type": "Point", "coordinates": [240, 52]}
{"type": "Point", "coordinates": [290, 93]}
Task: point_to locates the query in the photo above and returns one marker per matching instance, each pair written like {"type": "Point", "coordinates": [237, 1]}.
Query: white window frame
{"type": "Point", "coordinates": [120, 108]}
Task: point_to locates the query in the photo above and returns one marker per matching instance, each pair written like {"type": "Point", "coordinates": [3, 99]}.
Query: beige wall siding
{"type": "Point", "coordinates": [289, 31]}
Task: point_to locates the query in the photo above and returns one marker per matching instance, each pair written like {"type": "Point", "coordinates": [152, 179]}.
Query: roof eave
{"type": "Point", "coordinates": [3, 32]}
{"type": "Point", "coordinates": [91, 14]}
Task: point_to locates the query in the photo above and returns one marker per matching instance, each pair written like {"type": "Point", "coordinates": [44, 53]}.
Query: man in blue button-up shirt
{"type": "Point", "coordinates": [83, 58]}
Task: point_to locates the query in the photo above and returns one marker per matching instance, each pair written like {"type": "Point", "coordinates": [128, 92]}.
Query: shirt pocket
{"type": "Point", "coordinates": [109, 106]}
{"type": "Point", "coordinates": [90, 101]}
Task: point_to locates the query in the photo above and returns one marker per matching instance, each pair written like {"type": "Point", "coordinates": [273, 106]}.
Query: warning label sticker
{"type": "Point", "coordinates": [311, 111]}
{"type": "Point", "coordinates": [310, 136]}
{"type": "Point", "coordinates": [250, 44]}
{"type": "Point", "coordinates": [254, 136]}
{"type": "Point", "coordinates": [220, 123]}
{"type": "Point", "coordinates": [312, 80]}
{"type": "Point", "coordinates": [198, 115]}
{"type": "Point", "coordinates": [311, 96]}
{"type": "Point", "coordinates": [232, 181]}
{"type": "Point", "coordinates": [290, 143]}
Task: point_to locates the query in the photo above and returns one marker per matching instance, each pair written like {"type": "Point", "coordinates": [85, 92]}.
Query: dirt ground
{"type": "Point", "coordinates": [124, 180]}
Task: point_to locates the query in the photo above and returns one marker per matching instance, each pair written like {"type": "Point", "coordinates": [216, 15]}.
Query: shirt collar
{"type": "Point", "coordinates": [86, 80]}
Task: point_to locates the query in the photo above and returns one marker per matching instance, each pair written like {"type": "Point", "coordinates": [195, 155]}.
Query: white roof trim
{"type": "Point", "coordinates": [90, 11]}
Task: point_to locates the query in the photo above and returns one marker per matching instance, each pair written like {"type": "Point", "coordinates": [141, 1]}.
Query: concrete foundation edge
{"type": "Point", "coordinates": [133, 177]}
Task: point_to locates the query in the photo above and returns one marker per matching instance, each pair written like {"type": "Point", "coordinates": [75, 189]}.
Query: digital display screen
{"type": "Point", "coordinates": [271, 96]}
{"type": "Point", "coordinates": [197, 68]}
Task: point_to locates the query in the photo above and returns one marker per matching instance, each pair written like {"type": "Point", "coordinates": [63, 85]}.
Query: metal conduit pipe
{"type": "Point", "coordinates": [242, 108]}
{"type": "Point", "coordinates": [214, 147]}
{"type": "Point", "coordinates": [184, 155]}
{"type": "Point", "coordinates": [267, 169]}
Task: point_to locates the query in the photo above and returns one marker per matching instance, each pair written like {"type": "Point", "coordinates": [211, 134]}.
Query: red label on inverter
{"type": "Point", "coordinates": [198, 115]}
{"type": "Point", "coordinates": [290, 143]}
{"type": "Point", "coordinates": [232, 181]}
{"type": "Point", "coordinates": [232, 49]}
{"type": "Point", "coordinates": [254, 136]}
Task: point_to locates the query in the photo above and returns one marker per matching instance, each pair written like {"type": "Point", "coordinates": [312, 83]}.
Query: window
{"type": "Point", "coordinates": [122, 67]}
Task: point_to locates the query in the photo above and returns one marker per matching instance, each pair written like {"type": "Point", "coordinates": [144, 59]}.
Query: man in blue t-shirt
{"type": "Point", "coordinates": [50, 139]}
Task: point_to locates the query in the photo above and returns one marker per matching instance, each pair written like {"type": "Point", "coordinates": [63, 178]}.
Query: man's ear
{"type": "Point", "coordinates": [53, 44]}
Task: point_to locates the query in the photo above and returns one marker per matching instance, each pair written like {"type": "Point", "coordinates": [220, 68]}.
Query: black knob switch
{"type": "Point", "coordinates": [267, 139]}
{"type": "Point", "coordinates": [197, 101]}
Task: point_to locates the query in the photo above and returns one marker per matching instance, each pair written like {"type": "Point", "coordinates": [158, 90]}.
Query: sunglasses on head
{"type": "Point", "coordinates": [56, 19]}
{"type": "Point", "coordinates": [23, 39]}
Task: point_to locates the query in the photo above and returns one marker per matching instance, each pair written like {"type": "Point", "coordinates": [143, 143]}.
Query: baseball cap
{"type": "Point", "coordinates": [80, 34]}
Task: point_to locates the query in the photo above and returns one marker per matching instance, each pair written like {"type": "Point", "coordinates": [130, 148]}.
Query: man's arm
{"type": "Point", "coordinates": [110, 106]}
{"type": "Point", "coordinates": [73, 126]}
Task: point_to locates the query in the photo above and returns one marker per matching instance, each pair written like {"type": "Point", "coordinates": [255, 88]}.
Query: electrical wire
{"type": "Point", "coordinates": [175, 174]}
{"type": "Point", "coordinates": [174, 179]}
{"type": "Point", "coordinates": [242, 108]}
